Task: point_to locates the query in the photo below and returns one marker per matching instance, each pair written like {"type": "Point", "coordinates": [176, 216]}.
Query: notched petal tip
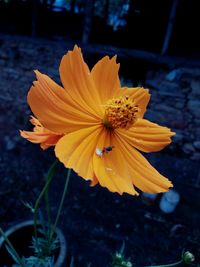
{"type": "Point", "coordinates": [76, 48]}
{"type": "Point", "coordinates": [94, 182]}
{"type": "Point", "coordinates": [172, 133]}
{"type": "Point", "coordinates": [132, 193]}
{"type": "Point", "coordinates": [39, 76]}
{"type": "Point", "coordinates": [146, 90]}
{"type": "Point", "coordinates": [23, 133]}
{"type": "Point", "coordinates": [168, 185]}
{"type": "Point", "coordinates": [37, 73]}
{"type": "Point", "coordinates": [114, 61]}
{"type": "Point", "coordinates": [114, 58]}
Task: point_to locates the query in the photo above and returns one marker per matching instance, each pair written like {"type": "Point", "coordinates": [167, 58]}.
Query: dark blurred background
{"type": "Point", "coordinates": [167, 26]}
{"type": "Point", "coordinates": [158, 47]}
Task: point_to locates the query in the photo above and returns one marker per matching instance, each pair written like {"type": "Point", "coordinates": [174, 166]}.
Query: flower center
{"type": "Point", "coordinates": [120, 112]}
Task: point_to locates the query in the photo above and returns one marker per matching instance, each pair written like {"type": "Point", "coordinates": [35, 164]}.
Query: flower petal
{"type": "Point", "coordinates": [75, 150]}
{"type": "Point", "coordinates": [55, 109]}
{"type": "Point", "coordinates": [105, 76]}
{"type": "Point", "coordinates": [146, 136]}
{"type": "Point", "coordinates": [140, 95]}
{"type": "Point", "coordinates": [143, 175]}
{"type": "Point", "coordinates": [110, 169]}
{"type": "Point", "coordinates": [45, 140]}
{"type": "Point", "coordinates": [77, 81]}
{"type": "Point", "coordinates": [40, 135]}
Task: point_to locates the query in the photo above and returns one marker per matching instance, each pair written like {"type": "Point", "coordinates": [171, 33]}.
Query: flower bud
{"type": "Point", "coordinates": [188, 257]}
{"type": "Point", "coordinates": [118, 256]}
{"type": "Point", "coordinates": [129, 264]}
{"type": "Point", "coordinates": [126, 264]}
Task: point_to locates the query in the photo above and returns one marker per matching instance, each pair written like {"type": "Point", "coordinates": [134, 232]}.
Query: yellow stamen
{"type": "Point", "coordinates": [120, 113]}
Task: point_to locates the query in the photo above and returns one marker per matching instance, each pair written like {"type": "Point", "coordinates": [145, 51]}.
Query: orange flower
{"type": "Point", "coordinates": [102, 125]}
{"type": "Point", "coordinates": [41, 135]}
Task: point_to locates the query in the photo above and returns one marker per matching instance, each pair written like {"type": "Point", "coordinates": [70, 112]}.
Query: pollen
{"type": "Point", "coordinates": [120, 112]}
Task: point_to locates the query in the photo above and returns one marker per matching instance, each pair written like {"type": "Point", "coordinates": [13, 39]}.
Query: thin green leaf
{"type": "Point", "coordinates": [72, 262]}
{"type": "Point", "coordinates": [12, 254]}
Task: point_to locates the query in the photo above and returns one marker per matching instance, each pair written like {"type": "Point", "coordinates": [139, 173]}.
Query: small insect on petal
{"type": "Point", "coordinates": [108, 149]}
{"type": "Point", "coordinates": [99, 152]}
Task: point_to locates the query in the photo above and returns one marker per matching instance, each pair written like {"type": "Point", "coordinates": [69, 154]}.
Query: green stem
{"type": "Point", "coordinates": [49, 177]}
{"type": "Point", "coordinates": [61, 203]}
{"type": "Point", "coordinates": [12, 248]}
{"type": "Point", "coordinates": [46, 196]}
{"type": "Point", "coordinates": [166, 265]}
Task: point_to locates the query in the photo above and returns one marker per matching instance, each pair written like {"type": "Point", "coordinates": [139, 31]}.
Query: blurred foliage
{"type": "Point", "coordinates": [99, 5]}
{"type": "Point", "coordinates": [113, 6]}
{"type": "Point", "coordinates": [47, 2]}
